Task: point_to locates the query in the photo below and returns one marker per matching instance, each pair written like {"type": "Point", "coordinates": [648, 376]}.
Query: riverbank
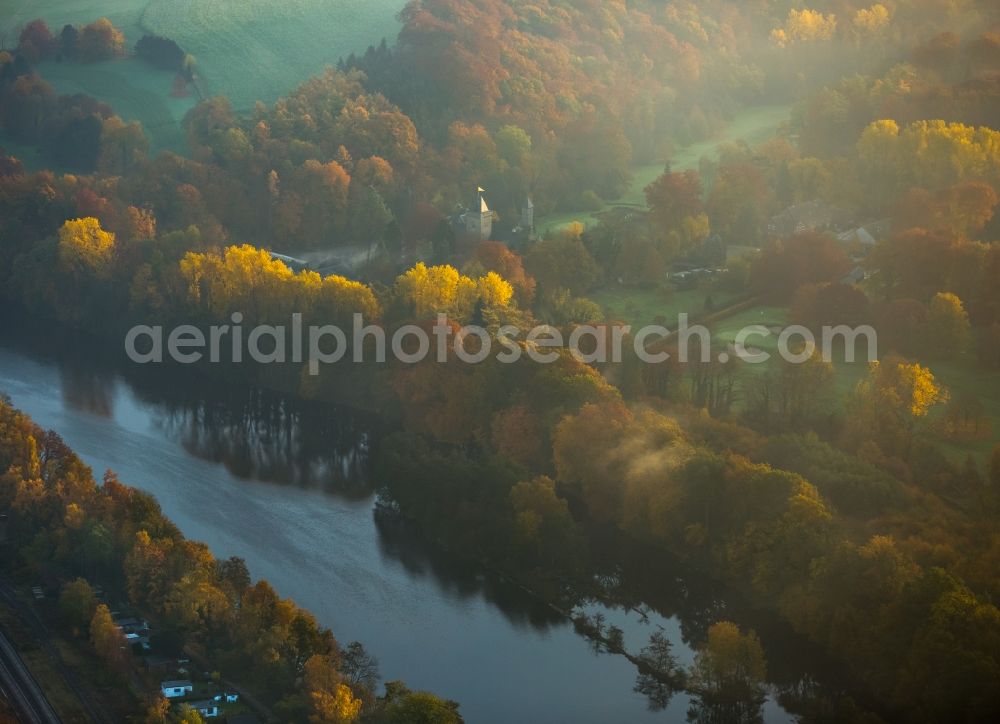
{"type": "Point", "coordinates": [174, 599]}
{"type": "Point", "coordinates": [321, 546]}
{"type": "Point", "coordinates": [437, 622]}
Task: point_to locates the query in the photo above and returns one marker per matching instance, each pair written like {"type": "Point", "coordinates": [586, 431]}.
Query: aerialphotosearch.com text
{"type": "Point", "coordinates": [410, 344]}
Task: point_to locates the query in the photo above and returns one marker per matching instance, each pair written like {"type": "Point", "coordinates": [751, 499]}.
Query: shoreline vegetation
{"type": "Point", "coordinates": [837, 510]}
{"type": "Point", "coordinates": [105, 546]}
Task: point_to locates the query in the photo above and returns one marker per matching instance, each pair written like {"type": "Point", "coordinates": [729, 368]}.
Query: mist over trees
{"type": "Point", "coordinates": [856, 502]}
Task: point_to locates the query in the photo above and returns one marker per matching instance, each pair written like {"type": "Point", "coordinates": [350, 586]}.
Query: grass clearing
{"type": "Point", "coordinates": [255, 50]}
{"type": "Point", "coordinates": [134, 89]}
{"type": "Point", "coordinates": [641, 307]}
{"type": "Point", "coordinates": [965, 378]}
{"type": "Point", "coordinates": [774, 318]}
{"type": "Point", "coordinates": [248, 50]}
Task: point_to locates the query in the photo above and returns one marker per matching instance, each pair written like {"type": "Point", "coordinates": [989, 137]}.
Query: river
{"type": "Point", "coordinates": [285, 488]}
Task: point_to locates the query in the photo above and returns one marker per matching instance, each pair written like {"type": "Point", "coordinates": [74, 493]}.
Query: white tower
{"type": "Point", "coordinates": [479, 222]}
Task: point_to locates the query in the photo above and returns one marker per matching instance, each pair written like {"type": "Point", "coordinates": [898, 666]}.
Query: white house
{"type": "Point", "coordinates": [175, 689]}
{"type": "Point", "coordinates": [208, 709]}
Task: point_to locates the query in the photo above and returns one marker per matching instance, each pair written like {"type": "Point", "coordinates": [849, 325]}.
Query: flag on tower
{"type": "Point", "coordinates": [481, 190]}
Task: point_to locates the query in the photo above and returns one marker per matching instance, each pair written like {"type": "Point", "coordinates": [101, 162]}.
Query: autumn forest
{"type": "Point", "coordinates": [814, 538]}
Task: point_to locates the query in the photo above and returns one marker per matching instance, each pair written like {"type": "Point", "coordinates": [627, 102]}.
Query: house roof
{"type": "Point", "coordinates": [177, 684]}
{"type": "Point", "coordinates": [856, 276]}
{"type": "Point", "coordinates": [860, 235]}
{"type": "Point", "coordinates": [202, 704]}
{"type": "Point", "coordinates": [806, 215]}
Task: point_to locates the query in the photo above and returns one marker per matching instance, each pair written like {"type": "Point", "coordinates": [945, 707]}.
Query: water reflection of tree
{"type": "Point", "coordinates": [461, 578]}
{"type": "Point", "coordinates": [262, 436]}
{"type": "Point", "coordinates": [660, 676]}
{"type": "Point", "coordinates": [727, 678]}
{"type": "Point", "coordinates": [88, 388]}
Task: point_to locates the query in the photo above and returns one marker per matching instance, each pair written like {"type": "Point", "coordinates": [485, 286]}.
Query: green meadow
{"type": "Point", "coordinates": [248, 50]}
{"type": "Point", "coordinates": [640, 307]}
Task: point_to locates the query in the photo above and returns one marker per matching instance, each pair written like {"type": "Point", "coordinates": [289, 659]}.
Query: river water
{"type": "Point", "coordinates": [285, 488]}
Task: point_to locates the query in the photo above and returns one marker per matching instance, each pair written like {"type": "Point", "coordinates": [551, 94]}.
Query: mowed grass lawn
{"type": "Point", "coordinates": [641, 307]}
{"type": "Point", "coordinates": [964, 378]}
{"type": "Point", "coordinates": [248, 50]}
{"type": "Point", "coordinates": [134, 89]}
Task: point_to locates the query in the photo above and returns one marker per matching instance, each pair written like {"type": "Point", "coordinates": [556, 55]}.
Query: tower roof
{"type": "Point", "coordinates": [483, 207]}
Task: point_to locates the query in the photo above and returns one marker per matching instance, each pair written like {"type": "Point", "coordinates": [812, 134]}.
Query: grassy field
{"type": "Point", "coordinates": [752, 125]}
{"type": "Point", "coordinates": [248, 50]}
{"type": "Point", "coordinates": [640, 307]}
{"type": "Point", "coordinates": [725, 331]}
{"type": "Point", "coordinates": [135, 90]}
{"type": "Point", "coordinates": [966, 379]}
{"type": "Point", "coordinates": [255, 50]}
{"type": "Point", "coordinates": [30, 156]}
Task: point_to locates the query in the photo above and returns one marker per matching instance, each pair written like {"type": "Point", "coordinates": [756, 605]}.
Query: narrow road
{"type": "Point", "coordinates": [22, 689]}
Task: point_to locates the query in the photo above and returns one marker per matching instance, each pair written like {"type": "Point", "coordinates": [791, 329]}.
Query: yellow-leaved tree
{"type": "Point", "coordinates": [886, 406]}
{"type": "Point", "coordinates": [106, 638]}
{"type": "Point", "coordinates": [803, 26]}
{"type": "Point", "coordinates": [85, 248]}
{"type": "Point", "coordinates": [872, 20]}
{"type": "Point", "coordinates": [333, 702]}
{"type": "Point", "coordinates": [428, 291]}
{"type": "Point", "coordinates": [948, 329]}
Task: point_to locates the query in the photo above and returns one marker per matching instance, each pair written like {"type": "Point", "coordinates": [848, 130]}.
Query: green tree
{"type": "Point", "coordinates": [563, 262]}
{"type": "Point", "coordinates": [403, 706]}
{"type": "Point", "coordinates": [887, 406]}
{"type": "Point", "coordinates": [949, 332]}
{"type": "Point", "coordinates": [122, 146]}
{"type": "Point", "coordinates": [514, 145]}
{"type": "Point", "coordinates": [78, 603]}
{"type": "Point", "coordinates": [544, 528]}
{"type": "Point", "coordinates": [106, 638]}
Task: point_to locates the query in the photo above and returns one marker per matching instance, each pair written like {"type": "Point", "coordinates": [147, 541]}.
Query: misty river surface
{"type": "Point", "coordinates": [289, 495]}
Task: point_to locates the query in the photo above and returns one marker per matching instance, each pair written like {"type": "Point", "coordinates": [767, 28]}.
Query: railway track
{"type": "Point", "coordinates": [21, 689]}
{"type": "Point", "coordinates": [95, 713]}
